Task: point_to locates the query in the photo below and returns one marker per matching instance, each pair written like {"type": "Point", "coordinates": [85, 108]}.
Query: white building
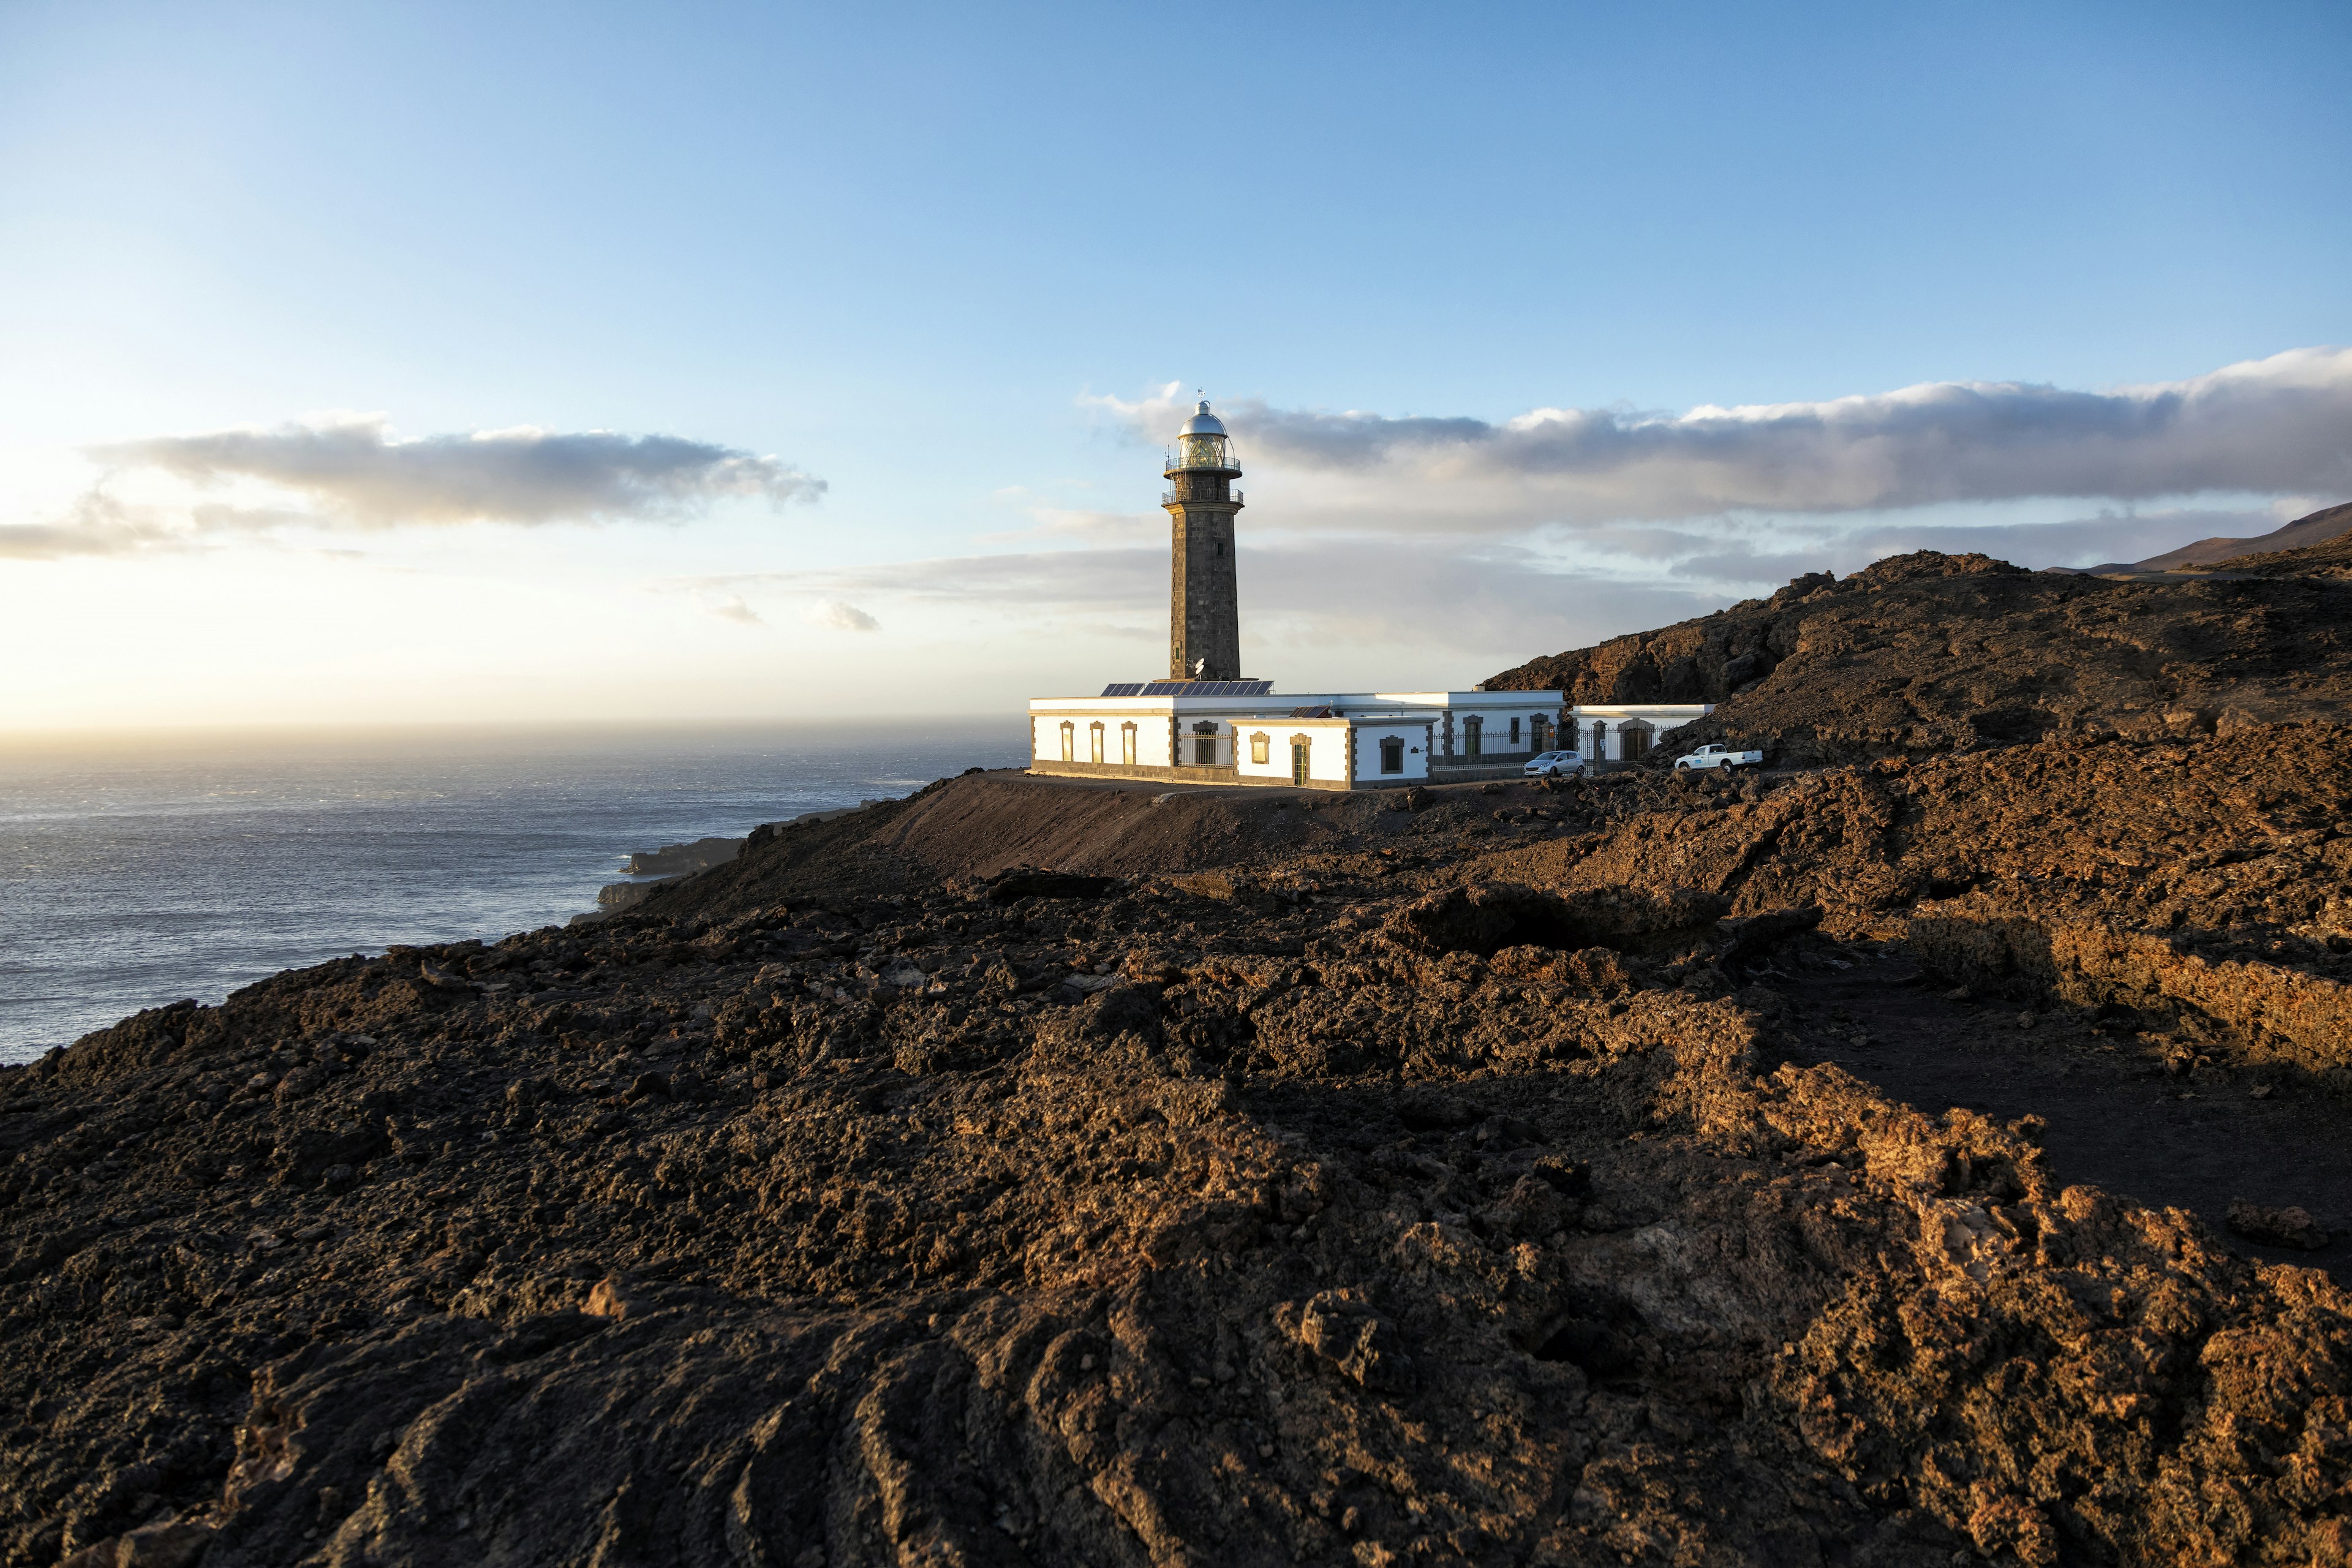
{"type": "Point", "coordinates": [1238, 732]}
{"type": "Point", "coordinates": [1203, 726]}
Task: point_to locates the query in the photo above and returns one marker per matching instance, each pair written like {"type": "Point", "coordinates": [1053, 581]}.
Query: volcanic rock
{"type": "Point", "coordinates": [1927, 653]}
{"type": "Point", "coordinates": [2280, 1227]}
{"type": "Point", "coordinates": [1448, 1190]}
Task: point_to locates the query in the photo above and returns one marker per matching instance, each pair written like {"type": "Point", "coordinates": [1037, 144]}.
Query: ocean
{"type": "Point", "coordinates": [136, 873]}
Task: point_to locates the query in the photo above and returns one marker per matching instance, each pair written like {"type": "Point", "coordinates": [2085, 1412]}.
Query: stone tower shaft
{"type": "Point", "coordinates": [1205, 633]}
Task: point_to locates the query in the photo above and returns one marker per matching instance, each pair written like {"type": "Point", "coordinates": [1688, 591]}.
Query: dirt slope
{"type": "Point", "coordinates": [983, 823]}
{"type": "Point", "coordinates": [1927, 653]}
{"type": "Point", "coordinates": [2313, 528]}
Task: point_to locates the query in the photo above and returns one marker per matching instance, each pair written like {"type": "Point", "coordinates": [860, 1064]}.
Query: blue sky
{"type": "Point", "coordinates": [945, 261]}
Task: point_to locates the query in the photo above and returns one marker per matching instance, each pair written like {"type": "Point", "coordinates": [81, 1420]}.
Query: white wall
{"type": "Point", "coordinates": [1326, 748]}
{"type": "Point", "coordinates": [1368, 752]}
{"type": "Point", "coordinates": [1151, 735]}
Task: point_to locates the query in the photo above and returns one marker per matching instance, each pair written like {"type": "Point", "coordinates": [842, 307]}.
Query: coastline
{"type": "Point", "coordinates": [139, 876]}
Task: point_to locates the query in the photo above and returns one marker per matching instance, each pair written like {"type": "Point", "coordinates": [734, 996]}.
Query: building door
{"type": "Point", "coordinates": [1299, 763]}
{"type": "Point", "coordinates": [1473, 737]}
{"type": "Point", "coordinates": [1633, 740]}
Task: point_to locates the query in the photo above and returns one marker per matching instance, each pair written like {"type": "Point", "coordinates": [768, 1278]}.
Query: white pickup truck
{"type": "Point", "coordinates": [1714, 756]}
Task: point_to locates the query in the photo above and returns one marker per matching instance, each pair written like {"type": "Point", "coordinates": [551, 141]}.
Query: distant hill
{"type": "Point", "coordinates": [2318, 528]}
{"type": "Point", "coordinates": [2329, 556]}
{"type": "Point", "coordinates": [1930, 652]}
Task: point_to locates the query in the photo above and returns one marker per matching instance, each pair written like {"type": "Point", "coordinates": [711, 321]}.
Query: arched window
{"type": "Point", "coordinates": [1127, 743]}
{"type": "Point", "coordinates": [1094, 742]}
{"type": "Point", "coordinates": [1392, 756]}
{"type": "Point", "coordinates": [1069, 741]}
{"type": "Point", "coordinates": [1260, 744]}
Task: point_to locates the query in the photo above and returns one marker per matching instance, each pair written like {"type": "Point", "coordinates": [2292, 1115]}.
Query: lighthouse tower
{"type": "Point", "coordinates": [1204, 630]}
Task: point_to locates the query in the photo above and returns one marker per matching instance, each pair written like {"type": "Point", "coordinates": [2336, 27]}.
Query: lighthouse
{"type": "Point", "coordinates": [1204, 630]}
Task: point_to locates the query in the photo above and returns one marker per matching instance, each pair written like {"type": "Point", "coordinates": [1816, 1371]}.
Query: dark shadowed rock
{"type": "Point", "coordinates": [2279, 1227]}
{"type": "Point", "coordinates": [1484, 918]}
{"type": "Point", "coordinates": [1029, 883]}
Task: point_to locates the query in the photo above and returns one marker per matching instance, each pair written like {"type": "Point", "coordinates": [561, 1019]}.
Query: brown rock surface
{"type": "Point", "coordinates": [1930, 653]}
{"type": "Point", "coordinates": [1832, 1168]}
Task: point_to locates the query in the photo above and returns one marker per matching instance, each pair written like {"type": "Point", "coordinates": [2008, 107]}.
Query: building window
{"type": "Point", "coordinates": [1299, 750]}
{"type": "Point", "coordinates": [1127, 744]}
{"type": "Point", "coordinates": [1258, 744]}
{"type": "Point", "coordinates": [1094, 742]}
{"type": "Point", "coordinates": [1069, 742]}
{"type": "Point", "coordinates": [1392, 756]}
{"type": "Point", "coordinates": [1515, 734]}
{"type": "Point", "coordinates": [1473, 737]}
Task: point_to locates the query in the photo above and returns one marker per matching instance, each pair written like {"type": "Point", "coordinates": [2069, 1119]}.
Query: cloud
{"type": "Point", "coordinates": [95, 525]}
{"type": "Point", "coordinates": [2264, 426]}
{"type": "Point", "coordinates": [836, 616]}
{"type": "Point", "coordinates": [733, 608]}
{"type": "Point", "coordinates": [351, 471]}
{"type": "Point", "coordinates": [354, 468]}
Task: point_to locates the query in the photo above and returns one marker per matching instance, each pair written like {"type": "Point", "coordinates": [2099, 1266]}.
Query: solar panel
{"type": "Point", "coordinates": [1202, 689]}
{"type": "Point", "coordinates": [1124, 689]}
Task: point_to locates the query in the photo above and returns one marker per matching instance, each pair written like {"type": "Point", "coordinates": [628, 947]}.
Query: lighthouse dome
{"type": "Point", "coordinates": [1202, 422]}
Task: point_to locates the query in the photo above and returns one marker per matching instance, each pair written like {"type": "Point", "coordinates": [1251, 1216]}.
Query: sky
{"type": "Point", "coordinates": [497, 363]}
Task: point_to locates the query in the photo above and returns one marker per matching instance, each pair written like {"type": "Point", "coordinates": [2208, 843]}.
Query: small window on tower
{"type": "Point", "coordinates": [1221, 550]}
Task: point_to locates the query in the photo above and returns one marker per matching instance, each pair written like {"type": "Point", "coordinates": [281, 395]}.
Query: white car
{"type": "Point", "coordinates": [1555, 765]}
{"type": "Point", "coordinates": [1714, 756]}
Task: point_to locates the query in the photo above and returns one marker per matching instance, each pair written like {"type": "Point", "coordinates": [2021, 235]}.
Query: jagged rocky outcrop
{"type": "Point", "coordinates": [680, 859]}
{"type": "Point", "coordinates": [1453, 1180]}
{"type": "Point", "coordinates": [1925, 653]}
